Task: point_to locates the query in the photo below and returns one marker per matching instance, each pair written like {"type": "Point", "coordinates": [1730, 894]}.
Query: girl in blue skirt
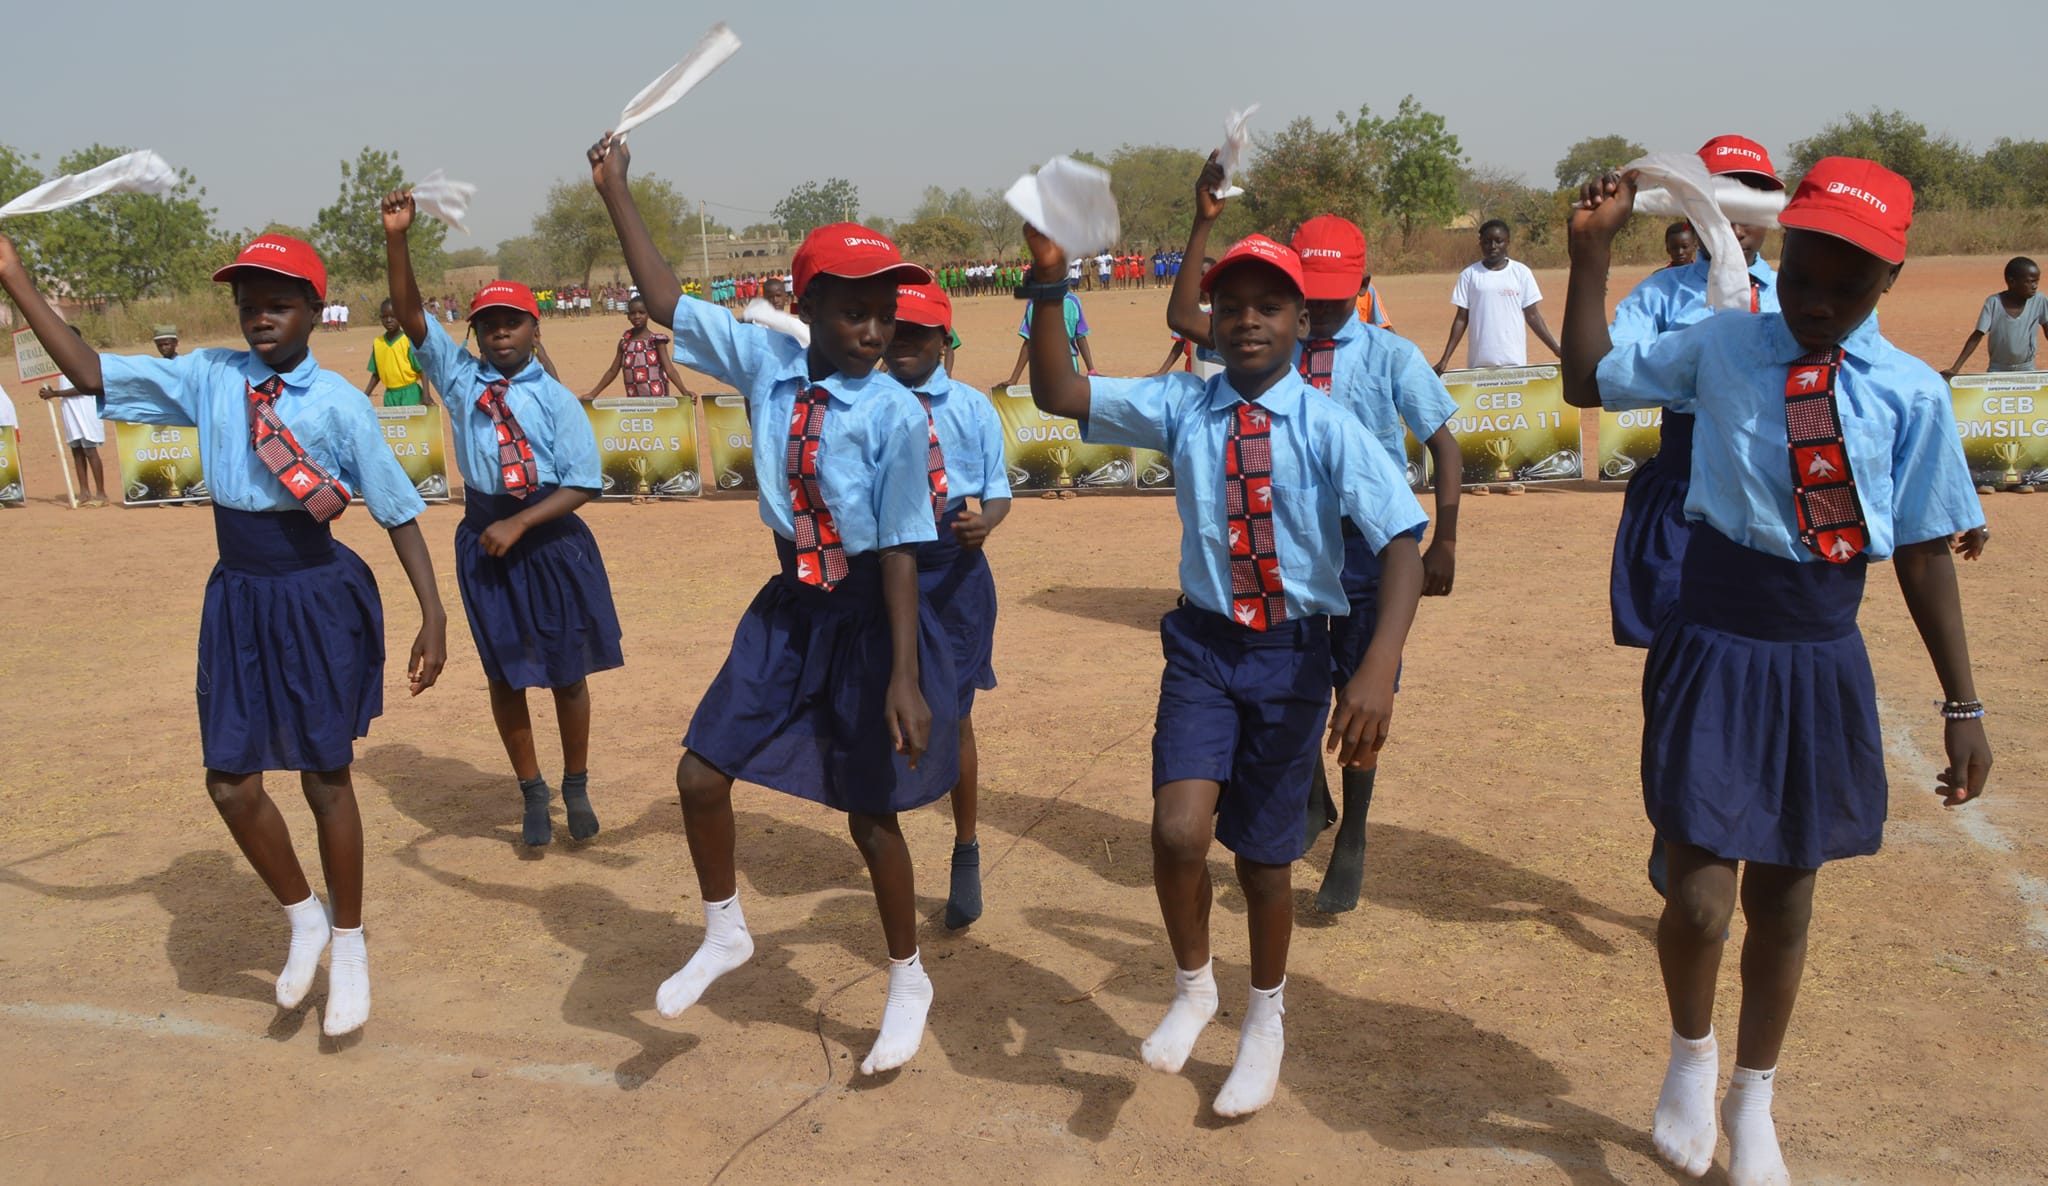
{"type": "Point", "coordinates": [532, 580]}
{"type": "Point", "coordinates": [952, 571]}
{"type": "Point", "coordinates": [1818, 446]}
{"type": "Point", "coordinates": [840, 685]}
{"type": "Point", "coordinates": [291, 638]}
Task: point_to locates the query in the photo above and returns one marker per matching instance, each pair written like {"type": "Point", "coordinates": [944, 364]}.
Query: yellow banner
{"type": "Point", "coordinates": [1513, 425]}
{"type": "Point", "coordinates": [11, 489]}
{"type": "Point", "coordinates": [732, 442]}
{"type": "Point", "coordinates": [647, 448]}
{"type": "Point", "coordinates": [1044, 452]}
{"type": "Point", "coordinates": [1627, 440]}
{"type": "Point", "coordinates": [159, 464]}
{"type": "Point", "coordinates": [413, 435]}
{"type": "Point", "coordinates": [2003, 419]}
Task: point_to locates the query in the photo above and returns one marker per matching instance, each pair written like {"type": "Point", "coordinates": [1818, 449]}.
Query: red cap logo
{"type": "Point", "coordinates": [1332, 252]}
{"type": "Point", "coordinates": [1739, 154]}
{"type": "Point", "coordinates": [924, 304]}
{"type": "Point", "coordinates": [851, 250]}
{"type": "Point", "coordinates": [283, 255]}
{"type": "Point", "coordinates": [505, 294]}
{"type": "Point", "coordinates": [1260, 249]}
{"type": "Point", "coordinates": [1860, 202]}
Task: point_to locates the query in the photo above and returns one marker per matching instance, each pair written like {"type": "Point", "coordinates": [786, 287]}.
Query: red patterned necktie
{"type": "Point", "coordinates": [934, 459]}
{"type": "Point", "coordinates": [1318, 361]}
{"type": "Point", "coordinates": [1256, 599]}
{"type": "Point", "coordinates": [1831, 520]}
{"type": "Point", "coordinates": [280, 452]}
{"type": "Point", "coordinates": [820, 557]}
{"type": "Point", "coordinates": [515, 453]}
{"type": "Point", "coordinates": [1756, 295]}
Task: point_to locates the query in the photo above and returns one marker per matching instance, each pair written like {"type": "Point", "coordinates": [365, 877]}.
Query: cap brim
{"type": "Point", "coordinates": [1227, 265]}
{"type": "Point", "coordinates": [1771, 180]}
{"type": "Point", "coordinates": [513, 305]}
{"type": "Point", "coordinates": [1329, 286]}
{"type": "Point", "coordinates": [228, 273]}
{"type": "Point", "coordinates": [904, 271]}
{"type": "Point", "coordinates": [1848, 230]}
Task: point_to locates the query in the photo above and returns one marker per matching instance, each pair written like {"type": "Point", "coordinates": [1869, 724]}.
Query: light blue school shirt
{"type": "Point", "coordinates": [1897, 422]}
{"type": "Point", "coordinates": [970, 437]}
{"type": "Point", "coordinates": [564, 448]}
{"type": "Point", "coordinates": [209, 390]}
{"type": "Point", "coordinates": [1673, 298]}
{"type": "Point", "coordinates": [1325, 469]}
{"type": "Point", "coordinates": [1381, 378]}
{"type": "Point", "coordinates": [876, 443]}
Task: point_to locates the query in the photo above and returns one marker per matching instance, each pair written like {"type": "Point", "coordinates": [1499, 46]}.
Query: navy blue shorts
{"type": "Point", "coordinates": [1245, 709]}
{"type": "Point", "coordinates": [1351, 634]}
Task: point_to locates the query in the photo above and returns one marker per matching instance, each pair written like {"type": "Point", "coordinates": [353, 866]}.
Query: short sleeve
{"type": "Point", "coordinates": [1461, 292]}
{"type": "Point", "coordinates": [1634, 320]}
{"type": "Point", "coordinates": [1531, 291]}
{"type": "Point", "coordinates": [143, 390]}
{"type": "Point", "coordinates": [444, 361]}
{"type": "Point", "coordinates": [1932, 494]}
{"type": "Point", "coordinates": [995, 471]}
{"type": "Point", "coordinates": [574, 445]}
{"type": "Point", "coordinates": [1987, 318]}
{"type": "Point", "coordinates": [372, 368]}
{"type": "Point", "coordinates": [1078, 327]}
{"type": "Point", "coordinates": [1424, 402]}
{"type": "Point", "coordinates": [710, 340]}
{"type": "Point", "coordinates": [376, 476]}
{"type": "Point", "coordinates": [1024, 325]}
{"type": "Point", "coordinates": [1374, 495]}
{"type": "Point", "coordinates": [1138, 412]}
{"type": "Point", "coordinates": [1660, 373]}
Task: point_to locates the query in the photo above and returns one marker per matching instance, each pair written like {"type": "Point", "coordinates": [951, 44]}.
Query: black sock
{"type": "Point", "coordinates": [536, 829]}
{"type": "Point", "coordinates": [576, 798]}
{"type": "Point", "coordinates": [1345, 877]}
{"type": "Point", "coordinates": [963, 899]}
{"type": "Point", "coordinates": [1322, 810]}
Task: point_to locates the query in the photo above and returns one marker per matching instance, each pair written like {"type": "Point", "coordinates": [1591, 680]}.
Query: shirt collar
{"type": "Point", "coordinates": [1352, 330]}
{"type": "Point", "coordinates": [1283, 398]}
{"type": "Point", "coordinates": [1863, 342]}
{"type": "Point", "coordinates": [935, 388]}
{"type": "Point", "coordinates": [299, 378]}
{"type": "Point", "coordinates": [838, 385]}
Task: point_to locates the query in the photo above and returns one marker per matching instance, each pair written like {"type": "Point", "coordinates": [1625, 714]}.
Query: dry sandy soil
{"type": "Point", "coordinates": [1491, 1013]}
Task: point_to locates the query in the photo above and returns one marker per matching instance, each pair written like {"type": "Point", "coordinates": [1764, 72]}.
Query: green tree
{"type": "Point", "coordinates": [1298, 173]}
{"type": "Point", "coordinates": [575, 233]}
{"type": "Point", "coordinates": [525, 259]}
{"type": "Point", "coordinates": [350, 233]}
{"type": "Point", "coordinates": [1939, 168]}
{"type": "Point", "coordinates": [471, 257]}
{"type": "Point", "coordinates": [814, 204]}
{"type": "Point", "coordinates": [1594, 155]}
{"type": "Point", "coordinates": [1414, 162]}
{"type": "Point", "coordinates": [936, 238]}
{"type": "Point", "coordinates": [997, 223]}
{"type": "Point", "coordinates": [18, 175]}
{"type": "Point", "coordinates": [122, 247]}
{"type": "Point", "coordinates": [2012, 173]}
{"type": "Point", "coordinates": [1154, 185]}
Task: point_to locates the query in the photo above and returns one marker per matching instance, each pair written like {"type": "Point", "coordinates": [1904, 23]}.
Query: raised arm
{"type": "Point", "coordinates": [1602, 210]}
{"type": "Point", "coordinates": [405, 287]}
{"type": "Point", "coordinates": [79, 362]}
{"type": "Point", "coordinates": [1927, 578]}
{"type": "Point", "coordinates": [1055, 386]}
{"type": "Point", "coordinates": [658, 287]}
{"type": "Point", "coordinates": [1184, 314]}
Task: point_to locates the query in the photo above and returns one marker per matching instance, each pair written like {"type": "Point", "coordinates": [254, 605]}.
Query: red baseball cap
{"type": "Point", "coordinates": [1332, 251]}
{"type": "Point", "coordinates": [505, 294]}
{"type": "Point", "coordinates": [1259, 249]}
{"type": "Point", "coordinates": [1740, 154]}
{"type": "Point", "coordinates": [283, 255]}
{"type": "Point", "coordinates": [851, 250]}
{"type": "Point", "coordinates": [1860, 202]}
{"type": "Point", "coordinates": [924, 304]}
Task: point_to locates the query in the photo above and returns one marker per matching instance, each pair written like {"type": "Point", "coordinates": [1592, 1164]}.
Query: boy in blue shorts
{"type": "Point", "coordinates": [1266, 470]}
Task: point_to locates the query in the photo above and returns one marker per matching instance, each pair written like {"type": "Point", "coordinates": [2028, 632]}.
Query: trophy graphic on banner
{"type": "Point", "coordinates": [1500, 449]}
{"type": "Point", "coordinates": [2010, 453]}
{"type": "Point", "coordinates": [1064, 458]}
{"type": "Point", "coordinates": [640, 469]}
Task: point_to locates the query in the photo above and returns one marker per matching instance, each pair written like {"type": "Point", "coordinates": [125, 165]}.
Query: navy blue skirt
{"type": "Point", "coordinates": [1649, 542]}
{"type": "Point", "coordinates": [1760, 735]}
{"type": "Point", "coordinates": [291, 646]}
{"type": "Point", "coordinates": [957, 584]}
{"type": "Point", "coordinates": [541, 614]}
{"type": "Point", "coordinates": [799, 705]}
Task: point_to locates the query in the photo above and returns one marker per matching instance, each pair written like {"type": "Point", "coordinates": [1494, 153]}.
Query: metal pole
{"type": "Point", "coordinates": [704, 242]}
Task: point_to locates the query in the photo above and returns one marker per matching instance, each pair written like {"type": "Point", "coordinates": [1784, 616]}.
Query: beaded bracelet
{"type": "Point", "coordinates": [1961, 710]}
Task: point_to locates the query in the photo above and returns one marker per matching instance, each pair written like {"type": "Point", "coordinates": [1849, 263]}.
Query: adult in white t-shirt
{"type": "Point", "coordinates": [1496, 297]}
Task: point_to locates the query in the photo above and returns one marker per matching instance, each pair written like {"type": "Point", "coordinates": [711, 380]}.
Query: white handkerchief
{"type": "Point", "coordinates": [1070, 202]}
{"type": "Point", "coordinates": [444, 199]}
{"type": "Point", "coordinates": [141, 172]}
{"type": "Point", "coordinates": [658, 96]}
{"type": "Point", "coordinates": [1677, 185]}
{"type": "Point", "coordinates": [1235, 137]}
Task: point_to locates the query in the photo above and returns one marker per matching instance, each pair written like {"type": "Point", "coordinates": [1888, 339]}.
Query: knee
{"type": "Point", "coordinates": [234, 796]}
{"type": "Point", "coordinates": [870, 832]}
{"type": "Point", "coordinates": [1265, 884]}
{"type": "Point", "coordinates": [1180, 836]}
{"type": "Point", "coordinates": [1778, 913]}
{"type": "Point", "coordinates": [698, 786]}
{"type": "Point", "coordinates": [1700, 911]}
{"type": "Point", "coordinates": [327, 794]}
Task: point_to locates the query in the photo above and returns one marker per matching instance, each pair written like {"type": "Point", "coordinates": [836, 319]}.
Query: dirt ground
{"type": "Point", "coordinates": [1491, 1013]}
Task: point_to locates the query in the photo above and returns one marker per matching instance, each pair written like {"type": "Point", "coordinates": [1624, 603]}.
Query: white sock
{"type": "Point", "coordinates": [726, 946]}
{"type": "Point", "coordinates": [910, 998]}
{"type": "Point", "coordinates": [1259, 1045]}
{"type": "Point", "coordinates": [348, 984]}
{"type": "Point", "coordinates": [1753, 1155]}
{"type": "Point", "coordinates": [1194, 1003]}
{"type": "Point", "coordinates": [309, 938]}
{"type": "Point", "coordinates": [1684, 1127]}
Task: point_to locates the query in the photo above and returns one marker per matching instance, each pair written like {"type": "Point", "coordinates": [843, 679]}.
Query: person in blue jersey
{"type": "Point", "coordinates": [840, 686]}
{"type": "Point", "coordinates": [952, 571]}
{"type": "Point", "coordinates": [533, 581]}
{"type": "Point", "coordinates": [1818, 447]}
{"type": "Point", "coordinates": [1266, 470]}
{"type": "Point", "coordinates": [291, 636]}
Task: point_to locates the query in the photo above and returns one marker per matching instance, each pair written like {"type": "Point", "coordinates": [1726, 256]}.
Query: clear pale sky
{"type": "Point", "coordinates": [262, 102]}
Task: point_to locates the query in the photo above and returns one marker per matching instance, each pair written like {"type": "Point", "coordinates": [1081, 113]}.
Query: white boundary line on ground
{"type": "Point", "coordinates": [1972, 819]}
